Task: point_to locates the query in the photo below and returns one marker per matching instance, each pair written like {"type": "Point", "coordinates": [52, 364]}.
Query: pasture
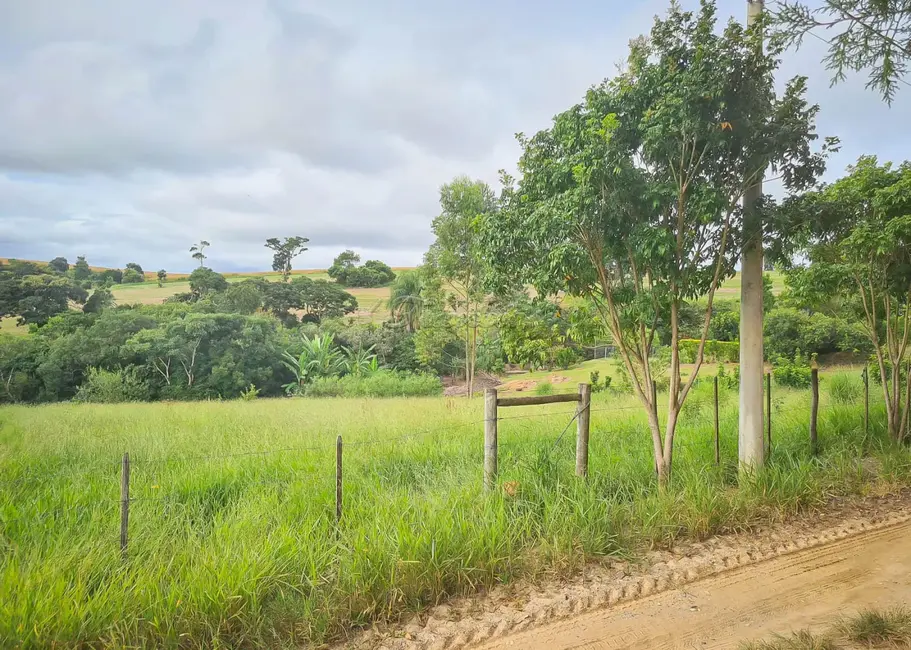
{"type": "Point", "coordinates": [233, 539]}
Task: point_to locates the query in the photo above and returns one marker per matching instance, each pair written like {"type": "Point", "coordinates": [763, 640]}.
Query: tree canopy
{"type": "Point", "coordinates": [285, 252]}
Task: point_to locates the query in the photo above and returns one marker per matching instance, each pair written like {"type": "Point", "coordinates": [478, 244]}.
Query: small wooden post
{"type": "Point", "coordinates": [768, 407]}
{"type": "Point", "coordinates": [866, 400]}
{"type": "Point", "coordinates": [124, 503]}
{"type": "Point", "coordinates": [338, 479]}
{"type": "Point", "coordinates": [717, 436]}
{"type": "Point", "coordinates": [490, 438]}
{"type": "Point", "coordinates": [583, 418]}
{"type": "Point", "coordinates": [814, 409]}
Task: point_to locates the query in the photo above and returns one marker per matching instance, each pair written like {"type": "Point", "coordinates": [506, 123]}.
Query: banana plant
{"type": "Point", "coordinates": [318, 358]}
{"type": "Point", "coordinates": [360, 361]}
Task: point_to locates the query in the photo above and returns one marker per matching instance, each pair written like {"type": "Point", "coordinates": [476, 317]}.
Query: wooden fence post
{"type": "Point", "coordinates": [124, 503]}
{"type": "Point", "coordinates": [768, 407]}
{"type": "Point", "coordinates": [717, 436]}
{"type": "Point", "coordinates": [583, 419]}
{"type": "Point", "coordinates": [338, 479]}
{"type": "Point", "coordinates": [866, 400]}
{"type": "Point", "coordinates": [490, 438]}
{"type": "Point", "coordinates": [814, 409]}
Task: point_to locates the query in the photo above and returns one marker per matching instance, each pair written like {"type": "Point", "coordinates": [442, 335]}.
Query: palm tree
{"type": "Point", "coordinates": [405, 301]}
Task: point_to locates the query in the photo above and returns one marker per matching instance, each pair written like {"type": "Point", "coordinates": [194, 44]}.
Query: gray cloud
{"type": "Point", "coordinates": [130, 130]}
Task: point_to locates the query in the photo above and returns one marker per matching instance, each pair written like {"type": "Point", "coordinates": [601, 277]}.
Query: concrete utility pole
{"type": "Point", "coordinates": [752, 440]}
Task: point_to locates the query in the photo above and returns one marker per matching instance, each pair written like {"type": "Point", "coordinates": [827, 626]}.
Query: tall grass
{"type": "Point", "coordinates": [231, 547]}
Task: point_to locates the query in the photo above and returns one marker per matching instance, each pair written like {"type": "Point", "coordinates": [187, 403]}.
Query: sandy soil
{"type": "Point", "coordinates": [804, 589]}
{"type": "Point", "coordinates": [709, 594]}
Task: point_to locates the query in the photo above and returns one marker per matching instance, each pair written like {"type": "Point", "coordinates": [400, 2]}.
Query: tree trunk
{"type": "Point", "coordinates": [751, 439]}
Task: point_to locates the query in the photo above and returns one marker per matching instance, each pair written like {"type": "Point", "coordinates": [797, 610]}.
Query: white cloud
{"type": "Point", "coordinates": [128, 131]}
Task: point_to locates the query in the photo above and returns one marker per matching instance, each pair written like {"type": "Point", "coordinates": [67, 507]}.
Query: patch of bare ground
{"type": "Point", "coordinates": [711, 594]}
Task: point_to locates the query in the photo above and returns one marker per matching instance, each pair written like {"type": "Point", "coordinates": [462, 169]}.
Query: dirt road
{"type": "Point", "coordinates": [808, 588]}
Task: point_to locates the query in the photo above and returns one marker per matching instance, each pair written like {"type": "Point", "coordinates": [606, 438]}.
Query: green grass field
{"type": "Point", "coordinates": [232, 534]}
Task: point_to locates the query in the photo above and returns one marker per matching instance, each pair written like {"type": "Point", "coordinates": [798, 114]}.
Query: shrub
{"type": "Point", "coordinates": [382, 383]}
{"type": "Point", "coordinates": [844, 388]}
{"type": "Point", "coordinates": [544, 388]}
{"type": "Point", "coordinates": [792, 373]}
{"type": "Point", "coordinates": [599, 385]}
{"type": "Point", "coordinates": [715, 351]}
{"type": "Point", "coordinates": [250, 394]}
{"type": "Point", "coordinates": [112, 386]}
{"type": "Point", "coordinates": [566, 357]}
{"type": "Point", "coordinates": [132, 276]}
{"type": "Point", "coordinates": [727, 380]}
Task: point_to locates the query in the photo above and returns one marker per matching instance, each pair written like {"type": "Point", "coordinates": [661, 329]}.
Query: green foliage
{"type": "Point", "coordinates": [729, 381]}
{"type": "Point", "coordinates": [318, 357]}
{"type": "Point", "coordinates": [204, 281]}
{"type": "Point", "coordinates": [112, 386]}
{"type": "Point", "coordinates": [81, 270]}
{"type": "Point", "coordinates": [891, 627]}
{"type": "Point", "coordinates": [242, 297]}
{"type": "Point", "coordinates": [378, 383]}
{"type": "Point", "coordinates": [162, 276]}
{"type": "Point", "coordinates": [250, 394]}
{"type": "Point", "coordinates": [133, 266]}
{"type": "Point", "coordinates": [101, 299]}
{"type": "Point", "coordinates": [788, 329]}
{"type": "Point", "coordinates": [317, 299]}
{"type": "Point", "coordinates": [347, 272]}
{"type": "Point", "coordinates": [110, 276]}
{"type": "Point", "coordinates": [285, 252]}
{"type": "Point", "coordinates": [714, 351]}
{"type": "Point", "coordinates": [844, 388]}
{"type": "Point", "coordinates": [871, 35]}
{"type": "Point", "coordinates": [34, 295]}
{"type": "Point", "coordinates": [598, 385]}
{"type": "Point", "coordinates": [544, 388]}
{"type": "Point", "coordinates": [725, 324]}
{"type": "Point", "coordinates": [59, 265]}
{"type": "Point", "coordinates": [405, 300]}
{"type": "Point", "coordinates": [792, 373]}
{"type": "Point", "coordinates": [531, 340]}
{"type": "Point", "coordinates": [360, 361]}
{"type": "Point", "coordinates": [132, 276]}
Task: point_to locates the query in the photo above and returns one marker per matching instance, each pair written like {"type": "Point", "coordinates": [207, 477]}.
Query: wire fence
{"type": "Point", "coordinates": [146, 491]}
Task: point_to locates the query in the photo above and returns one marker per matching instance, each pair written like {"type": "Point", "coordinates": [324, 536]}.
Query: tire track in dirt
{"type": "Point", "coordinates": [804, 589]}
{"type": "Point", "coordinates": [819, 544]}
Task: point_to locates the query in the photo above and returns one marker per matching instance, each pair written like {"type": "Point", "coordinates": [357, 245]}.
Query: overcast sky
{"type": "Point", "coordinates": [131, 129]}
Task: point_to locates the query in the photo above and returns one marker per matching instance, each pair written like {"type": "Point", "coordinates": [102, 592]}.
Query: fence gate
{"type": "Point", "coordinates": [492, 403]}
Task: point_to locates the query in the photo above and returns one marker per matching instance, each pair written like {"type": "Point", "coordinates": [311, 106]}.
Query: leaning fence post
{"type": "Point", "coordinates": [814, 408]}
{"type": "Point", "coordinates": [866, 400]}
{"type": "Point", "coordinates": [338, 479]}
{"type": "Point", "coordinates": [490, 438]}
{"type": "Point", "coordinates": [768, 407]}
{"type": "Point", "coordinates": [717, 436]}
{"type": "Point", "coordinates": [583, 419]}
{"type": "Point", "coordinates": [124, 503]}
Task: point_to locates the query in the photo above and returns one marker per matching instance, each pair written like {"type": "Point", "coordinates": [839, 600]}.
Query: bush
{"type": "Point", "coordinates": [731, 381]}
{"type": "Point", "coordinates": [383, 383]}
{"type": "Point", "coordinates": [715, 351]}
{"type": "Point", "coordinates": [112, 386]}
{"type": "Point", "coordinates": [792, 373]}
{"type": "Point", "coordinates": [566, 357]}
{"type": "Point", "coordinates": [544, 388]}
{"type": "Point", "coordinates": [599, 385]}
{"type": "Point", "coordinates": [132, 276]}
{"type": "Point", "coordinates": [725, 324]}
{"type": "Point", "coordinates": [844, 388]}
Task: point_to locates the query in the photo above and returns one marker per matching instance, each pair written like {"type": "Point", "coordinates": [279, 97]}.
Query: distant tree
{"type": "Point", "coordinates": [873, 35]}
{"type": "Point", "coordinates": [342, 264]}
{"type": "Point", "coordinates": [136, 267]}
{"type": "Point", "coordinates": [204, 281]}
{"type": "Point", "coordinates": [110, 276]}
{"type": "Point", "coordinates": [285, 252]}
{"type": "Point", "coordinates": [243, 297]}
{"type": "Point", "coordinates": [101, 299]}
{"type": "Point", "coordinates": [132, 276]}
{"type": "Point", "coordinates": [458, 258]}
{"type": "Point", "coordinates": [405, 300]}
{"type": "Point", "coordinates": [35, 299]}
{"type": "Point", "coordinates": [21, 268]}
{"type": "Point", "coordinates": [197, 250]}
{"type": "Point", "coordinates": [59, 265]}
{"type": "Point", "coordinates": [162, 277]}
{"type": "Point", "coordinates": [81, 270]}
{"type": "Point", "coordinates": [347, 271]}
{"type": "Point", "coordinates": [317, 299]}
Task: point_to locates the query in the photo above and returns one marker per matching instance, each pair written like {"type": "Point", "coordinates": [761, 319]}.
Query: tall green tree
{"type": "Point", "coordinates": [857, 240]}
{"type": "Point", "coordinates": [870, 35]}
{"type": "Point", "coordinates": [81, 270]}
{"type": "Point", "coordinates": [633, 197]}
{"type": "Point", "coordinates": [59, 265]}
{"type": "Point", "coordinates": [457, 256]}
{"type": "Point", "coordinates": [405, 300]}
{"type": "Point", "coordinates": [162, 276]}
{"type": "Point", "coordinates": [285, 252]}
{"type": "Point", "coordinates": [197, 251]}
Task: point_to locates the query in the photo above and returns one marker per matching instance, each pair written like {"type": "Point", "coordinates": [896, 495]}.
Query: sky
{"type": "Point", "coordinates": [130, 130]}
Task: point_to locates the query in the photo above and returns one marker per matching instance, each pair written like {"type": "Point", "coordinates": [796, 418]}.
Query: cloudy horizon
{"type": "Point", "coordinates": [129, 131]}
